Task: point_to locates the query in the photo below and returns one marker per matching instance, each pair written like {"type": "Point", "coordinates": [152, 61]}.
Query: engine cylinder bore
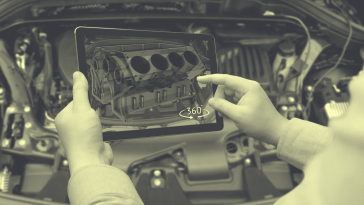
{"type": "Point", "coordinates": [140, 64]}
{"type": "Point", "coordinates": [176, 60]}
{"type": "Point", "coordinates": [108, 65]}
{"type": "Point", "coordinates": [96, 65]}
{"type": "Point", "coordinates": [191, 57]}
{"type": "Point", "coordinates": [117, 76]}
{"type": "Point", "coordinates": [159, 62]}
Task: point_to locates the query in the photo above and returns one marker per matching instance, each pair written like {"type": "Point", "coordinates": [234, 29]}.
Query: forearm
{"type": "Point", "coordinates": [333, 177]}
{"type": "Point", "coordinates": [80, 159]}
{"type": "Point", "coordinates": [101, 184]}
{"type": "Point", "coordinates": [301, 140]}
{"type": "Point", "coordinates": [275, 131]}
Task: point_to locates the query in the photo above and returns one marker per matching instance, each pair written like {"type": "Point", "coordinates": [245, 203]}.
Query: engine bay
{"type": "Point", "coordinates": [38, 57]}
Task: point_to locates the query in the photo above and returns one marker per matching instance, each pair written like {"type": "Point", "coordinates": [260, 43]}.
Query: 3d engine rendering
{"type": "Point", "coordinates": [144, 84]}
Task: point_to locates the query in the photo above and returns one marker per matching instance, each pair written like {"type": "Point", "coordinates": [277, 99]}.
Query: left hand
{"type": "Point", "coordinates": [80, 130]}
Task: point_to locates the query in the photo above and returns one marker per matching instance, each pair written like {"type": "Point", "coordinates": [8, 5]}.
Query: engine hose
{"type": "Point", "coordinates": [48, 71]}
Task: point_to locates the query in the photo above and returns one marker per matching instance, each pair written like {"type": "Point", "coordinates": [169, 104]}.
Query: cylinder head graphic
{"type": "Point", "coordinates": [191, 58]}
{"type": "Point", "coordinates": [108, 65]}
{"type": "Point", "coordinates": [140, 64]}
{"type": "Point", "coordinates": [118, 76]}
{"type": "Point", "coordinates": [176, 60]}
{"type": "Point", "coordinates": [95, 65]}
{"type": "Point", "coordinates": [159, 62]}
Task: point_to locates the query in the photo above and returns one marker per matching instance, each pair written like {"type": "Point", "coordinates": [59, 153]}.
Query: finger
{"type": "Point", "coordinates": [233, 82]}
{"type": "Point", "coordinates": [229, 91]}
{"type": "Point", "coordinates": [108, 153]}
{"type": "Point", "coordinates": [224, 92]}
{"type": "Point", "coordinates": [229, 98]}
{"type": "Point", "coordinates": [80, 92]}
{"type": "Point", "coordinates": [64, 111]}
{"type": "Point", "coordinates": [225, 107]}
{"type": "Point", "coordinates": [220, 92]}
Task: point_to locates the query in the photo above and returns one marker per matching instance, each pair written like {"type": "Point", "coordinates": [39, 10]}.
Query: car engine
{"type": "Point", "coordinates": [264, 41]}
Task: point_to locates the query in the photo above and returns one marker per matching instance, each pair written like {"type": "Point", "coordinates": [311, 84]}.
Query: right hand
{"type": "Point", "coordinates": [247, 105]}
{"type": "Point", "coordinates": [350, 125]}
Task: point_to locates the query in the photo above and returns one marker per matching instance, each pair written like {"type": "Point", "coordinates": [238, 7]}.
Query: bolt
{"type": "Point", "coordinates": [65, 163]}
{"type": "Point", "coordinates": [27, 41]}
{"type": "Point", "coordinates": [247, 161]}
{"type": "Point", "coordinates": [280, 78]}
{"type": "Point", "coordinates": [181, 169]}
{"type": "Point", "coordinates": [157, 182]}
{"type": "Point", "coordinates": [309, 88]}
{"type": "Point", "coordinates": [22, 142]}
{"type": "Point", "coordinates": [42, 35]}
{"type": "Point", "coordinates": [28, 125]}
{"type": "Point", "coordinates": [150, 109]}
{"type": "Point", "coordinates": [26, 109]}
{"type": "Point", "coordinates": [5, 142]}
{"type": "Point", "coordinates": [291, 99]}
{"type": "Point", "coordinates": [179, 154]}
{"type": "Point", "coordinates": [284, 108]}
{"type": "Point", "coordinates": [1, 90]}
{"type": "Point", "coordinates": [157, 173]}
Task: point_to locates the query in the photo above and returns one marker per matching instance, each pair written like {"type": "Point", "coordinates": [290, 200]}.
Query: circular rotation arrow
{"type": "Point", "coordinates": [191, 116]}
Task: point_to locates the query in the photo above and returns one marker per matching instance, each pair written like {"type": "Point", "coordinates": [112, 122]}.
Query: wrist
{"type": "Point", "coordinates": [81, 159]}
{"type": "Point", "coordinates": [280, 126]}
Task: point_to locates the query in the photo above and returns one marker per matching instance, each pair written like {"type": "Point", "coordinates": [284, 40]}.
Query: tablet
{"type": "Point", "coordinates": [143, 83]}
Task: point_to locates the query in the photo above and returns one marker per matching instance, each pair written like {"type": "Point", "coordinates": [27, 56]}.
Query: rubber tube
{"type": "Point", "coordinates": [48, 71]}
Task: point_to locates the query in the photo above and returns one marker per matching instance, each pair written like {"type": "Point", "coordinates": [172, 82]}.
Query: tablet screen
{"type": "Point", "coordinates": [141, 83]}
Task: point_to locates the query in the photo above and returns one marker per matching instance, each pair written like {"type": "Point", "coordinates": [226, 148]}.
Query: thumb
{"type": "Point", "coordinates": [108, 154]}
{"type": "Point", "coordinates": [80, 95]}
{"type": "Point", "coordinates": [225, 107]}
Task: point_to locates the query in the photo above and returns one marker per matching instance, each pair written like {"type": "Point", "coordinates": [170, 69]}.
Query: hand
{"type": "Point", "coordinates": [79, 129]}
{"type": "Point", "coordinates": [247, 105]}
{"type": "Point", "coordinates": [350, 125]}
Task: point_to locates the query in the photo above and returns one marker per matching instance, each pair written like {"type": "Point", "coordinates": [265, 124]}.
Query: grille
{"type": "Point", "coordinates": [247, 62]}
{"type": "Point", "coordinates": [231, 148]}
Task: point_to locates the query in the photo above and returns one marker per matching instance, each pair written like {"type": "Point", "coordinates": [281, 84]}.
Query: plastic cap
{"type": "Point", "coordinates": [287, 47]}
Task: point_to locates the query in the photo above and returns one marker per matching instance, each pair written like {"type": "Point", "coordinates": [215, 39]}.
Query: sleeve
{"type": "Point", "coordinates": [101, 184]}
{"type": "Point", "coordinates": [301, 140]}
{"type": "Point", "coordinates": [333, 177]}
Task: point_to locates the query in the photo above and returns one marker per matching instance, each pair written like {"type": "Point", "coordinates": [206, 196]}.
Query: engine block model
{"type": "Point", "coordinates": [146, 84]}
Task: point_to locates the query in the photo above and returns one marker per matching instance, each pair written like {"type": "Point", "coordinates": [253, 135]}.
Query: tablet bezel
{"type": "Point", "coordinates": [81, 58]}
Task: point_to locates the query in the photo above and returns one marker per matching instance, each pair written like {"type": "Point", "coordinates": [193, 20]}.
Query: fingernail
{"type": "Point", "coordinates": [76, 75]}
{"type": "Point", "coordinates": [210, 101]}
